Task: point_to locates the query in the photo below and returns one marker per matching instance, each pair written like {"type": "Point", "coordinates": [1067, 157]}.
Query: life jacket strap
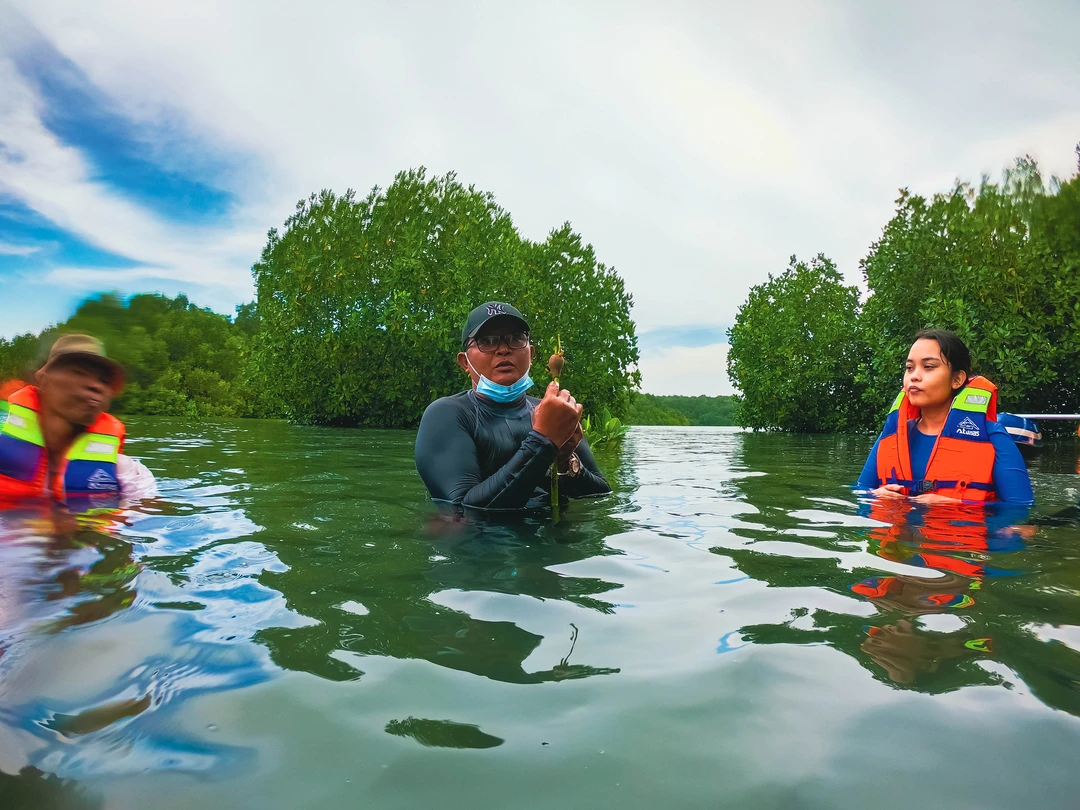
{"type": "Point", "coordinates": [923, 486]}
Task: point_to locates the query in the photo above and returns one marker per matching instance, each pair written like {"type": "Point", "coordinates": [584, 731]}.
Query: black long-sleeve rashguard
{"type": "Point", "coordinates": [477, 453]}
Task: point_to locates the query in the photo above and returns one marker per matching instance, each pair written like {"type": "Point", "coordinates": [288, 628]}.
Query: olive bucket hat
{"type": "Point", "coordinates": [85, 347]}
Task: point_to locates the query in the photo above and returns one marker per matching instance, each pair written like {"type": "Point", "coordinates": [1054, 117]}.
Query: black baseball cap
{"type": "Point", "coordinates": [484, 313]}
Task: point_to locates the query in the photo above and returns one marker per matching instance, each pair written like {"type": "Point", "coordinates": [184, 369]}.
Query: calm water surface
{"type": "Point", "coordinates": [292, 625]}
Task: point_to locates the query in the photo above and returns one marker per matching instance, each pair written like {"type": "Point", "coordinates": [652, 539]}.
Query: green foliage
{"type": "Point", "coordinates": [19, 356]}
{"type": "Point", "coordinates": [795, 352]}
{"type": "Point", "coordinates": [361, 302]}
{"type": "Point", "coordinates": [179, 359]}
{"type": "Point", "coordinates": [1000, 266]}
{"type": "Point", "coordinates": [607, 431]}
{"type": "Point", "coordinates": [649, 409]}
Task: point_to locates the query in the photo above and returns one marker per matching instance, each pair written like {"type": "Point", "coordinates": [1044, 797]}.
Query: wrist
{"type": "Point", "coordinates": [547, 441]}
{"type": "Point", "coordinates": [572, 468]}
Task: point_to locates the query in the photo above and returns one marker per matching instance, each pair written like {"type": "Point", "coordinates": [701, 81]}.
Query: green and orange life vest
{"type": "Point", "coordinates": [962, 462]}
{"type": "Point", "coordinates": [88, 468]}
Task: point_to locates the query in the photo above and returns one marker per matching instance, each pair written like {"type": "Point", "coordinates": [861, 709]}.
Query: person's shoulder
{"type": "Point", "coordinates": [107, 423]}
{"type": "Point", "coordinates": [457, 400]}
{"type": "Point", "coordinates": [10, 387]}
{"type": "Point", "coordinates": [1003, 441]}
{"type": "Point", "coordinates": [445, 407]}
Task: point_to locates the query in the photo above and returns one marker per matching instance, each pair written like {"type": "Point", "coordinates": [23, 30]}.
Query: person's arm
{"type": "Point", "coordinates": [590, 482]}
{"type": "Point", "coordinates": [1011, 479]}
{"type": "Point", "coordinates": [868, 478]}
{"type": "Point", "coordinates": [447, 462]}
{"type": "Point", "coordinates": [136, 481]}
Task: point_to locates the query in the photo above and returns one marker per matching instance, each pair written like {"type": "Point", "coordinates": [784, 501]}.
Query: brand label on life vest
{"type": "Point", "coordinates": [101, 480]}
{"type": "Point", "coordinates": [967, 427]}
{"type": "Point", "coordinates": [977, 399]}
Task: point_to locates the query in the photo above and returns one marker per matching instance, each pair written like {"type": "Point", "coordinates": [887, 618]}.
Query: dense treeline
{"type": "Point", "coordinates": [180, 360]}
{"type": "Point", "coordinates": [361, 303]}
{"type": "Point", "coordinates": [650, 409]}
{"type": "Point", "coordinates": [998, 264]}
{"type": "Point", "coordinates": [359, 313]}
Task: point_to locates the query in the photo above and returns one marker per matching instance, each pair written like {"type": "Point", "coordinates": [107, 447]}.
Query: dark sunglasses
{"type": "Point", "coordinates": [490, 343]}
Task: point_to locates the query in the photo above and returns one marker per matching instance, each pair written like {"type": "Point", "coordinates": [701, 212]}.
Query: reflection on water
{"type": "Point", "coordinates": [442, 733]}
{"type": "Point", "coordinates": [31, 789]}
{"type": "Point", "coordinates": [293, 621]}
{"type": "Point", "coordinates": [956, 594]}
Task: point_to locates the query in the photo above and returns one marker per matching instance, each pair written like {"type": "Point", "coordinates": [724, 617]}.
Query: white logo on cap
{"type": "Point", "coordinates": [495, 309]}
{"type": "Point", "coordinates": [967, 427]}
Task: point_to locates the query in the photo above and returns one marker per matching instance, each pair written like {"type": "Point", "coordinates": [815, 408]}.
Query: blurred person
{"type": "Point", "coordinates": [56, 439]}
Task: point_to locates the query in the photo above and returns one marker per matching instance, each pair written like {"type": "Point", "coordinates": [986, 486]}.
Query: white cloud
{"type": "Point", "coordinates": [55, 180]}
{"type": "Point", "coordinates": [686, 370]}
{"type": "Point", "coordinates": [696, 146]}
{"type": "Point", "coordinates": [7, 249]}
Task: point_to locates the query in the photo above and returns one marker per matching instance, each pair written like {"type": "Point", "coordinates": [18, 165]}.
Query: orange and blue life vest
{"type": "Point", "coordinates": [88, 467]}
{"type": "Point", "coordinates": [962, 462]}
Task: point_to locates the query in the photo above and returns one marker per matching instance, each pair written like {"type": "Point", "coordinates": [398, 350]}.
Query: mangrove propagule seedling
{"type": "Point", "coordinates": [555, 368]}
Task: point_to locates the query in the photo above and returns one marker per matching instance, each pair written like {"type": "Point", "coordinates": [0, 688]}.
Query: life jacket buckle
{"type": "Point", "coordinates": [924, 486]}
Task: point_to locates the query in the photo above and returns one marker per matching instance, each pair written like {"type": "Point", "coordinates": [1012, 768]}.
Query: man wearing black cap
{"type": "Point", "coordinates": [492, 447]}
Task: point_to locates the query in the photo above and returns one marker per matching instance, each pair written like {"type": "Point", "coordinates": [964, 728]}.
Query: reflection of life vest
{"type": "Point", "coordinates": [911, 536]}
{"type": "Point", "coordinates": [920, 600]}
{"type": "Point", "coordinates": [88, 468]}
{"type": "Point", "coordinates": [961, 464]}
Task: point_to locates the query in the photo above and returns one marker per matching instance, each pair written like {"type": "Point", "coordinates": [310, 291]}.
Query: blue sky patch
{"type": "Point", "coordinates": [28, 242]}
{"type": "Point", "coordinates": [688, 336]}
{"type": "Point", "coordinates": [159, 165]}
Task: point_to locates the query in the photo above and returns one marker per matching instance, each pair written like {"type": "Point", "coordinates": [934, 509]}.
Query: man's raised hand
{"type": "Point", "coordinates": [558, 415]}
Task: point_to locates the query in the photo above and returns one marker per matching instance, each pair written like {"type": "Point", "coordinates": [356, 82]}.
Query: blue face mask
{"type": "Point", "coordinates": [503, 394]}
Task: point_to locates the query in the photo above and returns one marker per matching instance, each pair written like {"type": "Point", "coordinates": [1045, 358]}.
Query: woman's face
{"type": "Point", "coordinates": [928, 380]}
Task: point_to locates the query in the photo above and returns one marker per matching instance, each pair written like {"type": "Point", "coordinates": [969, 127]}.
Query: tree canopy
{"type": "Point", "coordinates": [650, 409]}
{"type": "Point", "coordinates": [361, 302]}
{"type": "Point", "coordinates": [795, 353]}
{"type": "Point", "coordinates": [999, 265]}
{"type": "Point", "coordinates": [179, 359]}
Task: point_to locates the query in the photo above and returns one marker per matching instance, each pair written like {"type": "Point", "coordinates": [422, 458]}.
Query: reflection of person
{"type": "Point", "coordinates": [31, 787]}
{"type": "Point", "coordinates": [492, 446]}
{"type": "Point", "coordinates": [56, 439]}
{"type": "Point", "coordinates": [941, 441]}
{"type": "Point", "coordinates": [914, 596]}
{"type": "Point", "coordinates": [905, 654]}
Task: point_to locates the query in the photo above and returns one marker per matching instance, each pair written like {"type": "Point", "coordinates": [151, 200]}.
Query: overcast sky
{"type": "Point", "coordinates": [149, 146]}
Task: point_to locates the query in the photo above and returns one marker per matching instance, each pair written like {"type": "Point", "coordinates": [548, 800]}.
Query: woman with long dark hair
{"type": "Point", "coordinates": [941, 441]}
